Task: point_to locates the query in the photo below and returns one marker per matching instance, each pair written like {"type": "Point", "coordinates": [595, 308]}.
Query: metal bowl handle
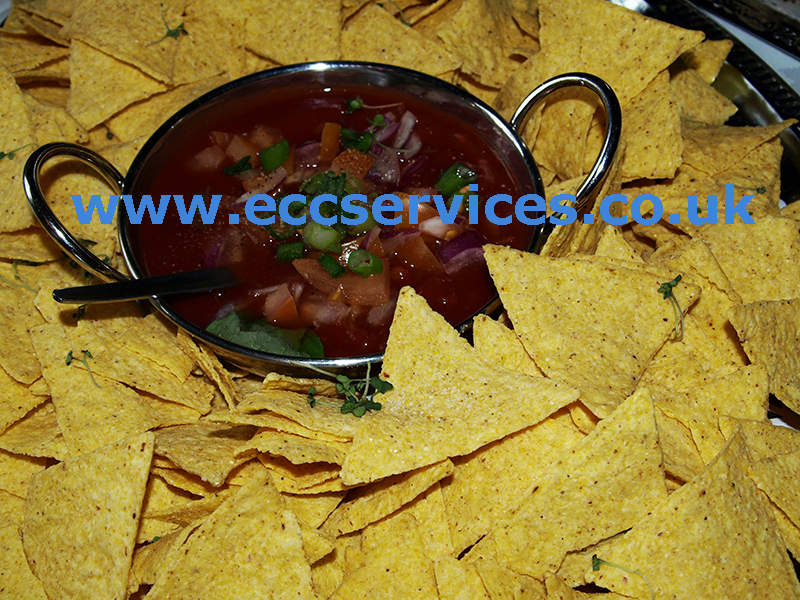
{"type": "Point", "coordinates": [51, 223]}
{"type": "Point", "coordinates": [608, 152]}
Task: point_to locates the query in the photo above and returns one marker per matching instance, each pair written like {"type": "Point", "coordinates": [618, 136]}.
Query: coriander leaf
{"type": "Point", "coordinates": [353, 104]}
{"type": "Point", "coordinates": [85, 355]}
{"type": "Point", "coordinates": [173, 33]}
{"type": "Point", "coordinates": [242, 165]}
{"type": "Point", "coordinates": [11, 154]}
{"type": "Point", "coordinates": [265, 337]}
{"type": "Point", "coordinates": [597, 561]}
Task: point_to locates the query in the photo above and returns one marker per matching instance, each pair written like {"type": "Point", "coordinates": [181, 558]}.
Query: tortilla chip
{"type": "Point", "coordinates": [697, 100]}
{"type": "Point", "coordinates": [294, 448]}
{"type": "Point", "coordinates": [501, 582]}
{"type": "Point", "coordinates": [81, 518]}
{"type": "Point", "coordinates": [374, 35]}
{"type": "Point", "coordinates": [93, 411]}
{"type": "Point", "coordinates": [206, 449]}
{"type": "Point", "coordinates": [770, 334]}
{"type": "Point", "coordinates": [247, 540]}
{"type": "Point", "coordinates": [754, 257]}
{"type": "Point", "coordinates": [554, 333]}
{"type": "Point", "coordinates": [16, 400]}
{"type": "Point", "coordinates": [91, 99]}
{"type": "Point", "coordinates": [570, 505]}
{"type": "Point", "coordinates": [18, 580]}
{"type": "Point", "coordinates": [722, 509]}
{"type": "Point", "coordinates": [37, 434]}
{"type": "Point", "coordinates": [763, 438]}
{"type": "Point", "coordinates": [105, 25]}
{"type": "Point", "coordinates": [446, 401]}
{"type": "Point", "coordinates": [395, 568]}
{"type": "Point", "coordinates": [286, 44]}
{"type": "Point", "coordinates": [313, 510]}
{"type": "Point", "coordinates": [494, 478]}
{"type": "Point", "coordinates": [17, 142]}
{"type": "Point", "coordinates": [707, 58]}
{"type": "Point", "coordinates": [457, 580]}
{"type": "Point", "coordinates": [23, 54]}
{"type": "Point", "coordinates": [383, 498]}
{"type": "Point", "coordinates": [500, 345]}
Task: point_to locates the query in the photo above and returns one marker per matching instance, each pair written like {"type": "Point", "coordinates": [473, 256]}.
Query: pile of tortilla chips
{"type": "Point", "coordinates": [602, 436]}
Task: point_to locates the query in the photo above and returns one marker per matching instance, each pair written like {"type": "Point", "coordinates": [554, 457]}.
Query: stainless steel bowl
{"type": "Point", "coordinates": [479, 118]}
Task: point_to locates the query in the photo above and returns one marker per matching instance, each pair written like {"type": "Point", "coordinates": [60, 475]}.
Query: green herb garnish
{"type": "Point", "coordinates": [274, 156]}
{"type": "Point", "coordinates": [171, 33]}
{"type": "Point", "coordinates": [353, 104]}
{"type": "Point", "coordinates": [265, 337]}
{"type": "Point", "coordinates": [23, 284]}
{"type": "Point", "coordinates": [666, 289]}
{"type": "Point", "coordinates": [403, 19]}
{"type": "Point", "coordinates": [78, 314]}
{"type": "Point", "coordinates": [289, 252]}
{"type": "Point", "coordinates": [597, 561]}
{"type": "Point", "coordinates": [242, 165]}
{"type": "Point", "coordinates": [323, 237]}
{"type": "Point", "coordinates": [356, 393]}
{"type": "Point", "coordinates": [10, 155]}
{"type": "Point", "coordinates": [85, 355]}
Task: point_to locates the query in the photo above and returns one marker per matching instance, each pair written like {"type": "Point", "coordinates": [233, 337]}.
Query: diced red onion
{"type": "Point", "coordinates": [386, 168]}
{"type": "Point", "coordinates": [410, 170]}
{"type": "Point", "coordinates": [436, 227]}
{"type": "Point", "coordinates": [397, 238]}
{"type": "Point", "coordinates": [461, 251]}
{"type": "Point", "coordinates": [384, 133]}
{"type": "Point", "coordinates": [407, 123]}
{"type": "Point", "coordinates": [211, 257]}
{"type": "Point", "coordinates": [382, 314]}
{"type": "Point", "coordinates": [307, 154]}
{"type": "Point", "coordinates": [413, 145]}
{"type": "Point", "coordinates": [371, 236]}
{"type": "Point", "coordinates": [208, 159]}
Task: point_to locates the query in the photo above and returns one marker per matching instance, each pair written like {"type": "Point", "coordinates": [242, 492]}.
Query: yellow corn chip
{"type": "Point", "coordinates": [457, 580]}
{"type": "Point", "coordinates": [500, 345]}
{"type": "Point", "coordinates": [295, 449]}
{"type": "Point", "coordinates": [81, 517]}
{"type": "Point", "coordinates": [722, 509]}
{"type": "Point", "coordinates": [18, 581]}
{"type": "Point", "coordinates": [441, 404]}
{"type": "Point", "coordinates": [707, 58]}
{"type": "Point", "coordinates": [37, 434]}
{"type": "Point", "coordinates": [763, 438]}
{"type": "Point", "coordinates": [697, 100]}
{"type": "Point", "coordinates": [17, 400]}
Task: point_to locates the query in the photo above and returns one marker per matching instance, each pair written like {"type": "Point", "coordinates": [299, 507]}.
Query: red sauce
{"type": "Point", "coordinates": [173, 247]}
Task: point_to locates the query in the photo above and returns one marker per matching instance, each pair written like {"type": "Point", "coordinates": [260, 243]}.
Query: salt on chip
{"type": "Point", "coordinates": [91, 99]}
{"type": "Point", "coordinates": [287, 43]}
{"type": "Point", "coordinates": [572, 504]}
{"type": "Point", "coordinates": [396, 568]}
{"type": "Point", "coordinates": [250, 538]}
{"type": "Point", "coordinates": [559, 334]}
{"type": "Point", "coordinates": [495, 477]}
{"type": "Point", "coordinates": [81, 518]}
{"type": "Point", "coordinates": [374, 35]}
{"type": "Point", "coordinates": [446, 400]}
{"type": "Point", "coordinates": [382, 498]}
{"type": "Point", "coordinates": [721, 509]}
{"type": "Point", "coordinates": [770, 334]}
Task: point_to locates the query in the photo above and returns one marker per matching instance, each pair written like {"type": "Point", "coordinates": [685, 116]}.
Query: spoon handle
{"type": "Point", "coordinates": [139, 289]}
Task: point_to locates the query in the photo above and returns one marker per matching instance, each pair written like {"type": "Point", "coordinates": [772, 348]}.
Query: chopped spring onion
{"type": "Point", "coordinates": [331, 265]}
{"type": "Point", "coordinates": [323, 237]}
{"type": "Point", "coordinates": [454, 178]}
{"type": "Point", "coordinates": [364, 263]}
{"type": "Point", "coordinates": [290, 251]}
{"type": "Point", "coordinates": [274, 156]}
{"type": "Point", "coordinates": [280, 230]}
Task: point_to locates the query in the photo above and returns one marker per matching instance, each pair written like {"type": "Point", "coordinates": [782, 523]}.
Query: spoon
{"type": "Point", "coordinates": [204, 280]}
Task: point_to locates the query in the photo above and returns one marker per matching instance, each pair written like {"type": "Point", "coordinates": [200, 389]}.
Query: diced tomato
{"type": "Point", "coordinates": [240, 147]}
{"type": "Point", "coordinates": [208, 159]}
{"type": "Point", "coordinates": [424, 212]}
{"type": "Point", "coordinates": [315, 275]}
{"type": "Point", "coordinates": [330, 141]}
{"type": "Point", "coordinates": [356, 162]}
{"type": "Point", "coordinates": [415, 254]}
{"type": "Point", "coordinates": [366, 291]}
{"type": "Point", "coordinates": [280, 309]}
{"type": "Point", "coordinates": [376, 247]}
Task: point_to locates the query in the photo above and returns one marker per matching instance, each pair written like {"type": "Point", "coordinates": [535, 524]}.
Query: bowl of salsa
{"type": "Point", "coordinates": [285, 168]}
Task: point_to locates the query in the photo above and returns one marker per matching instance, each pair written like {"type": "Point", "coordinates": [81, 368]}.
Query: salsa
{"type": "Point", "coordinates": [339, 282]}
